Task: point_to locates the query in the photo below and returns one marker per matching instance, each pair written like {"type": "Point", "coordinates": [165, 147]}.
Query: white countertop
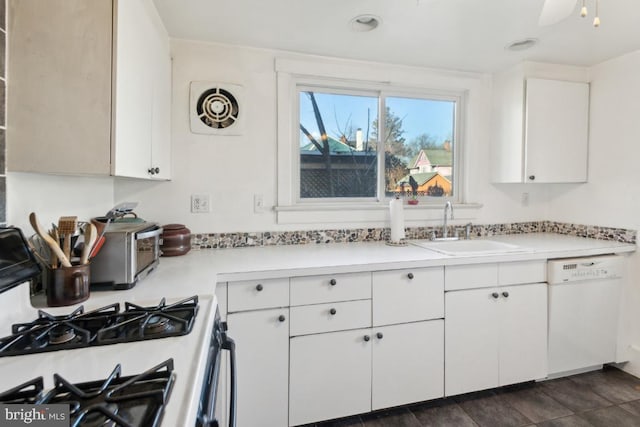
{"type": "Point", "coordinates": [198, 272]}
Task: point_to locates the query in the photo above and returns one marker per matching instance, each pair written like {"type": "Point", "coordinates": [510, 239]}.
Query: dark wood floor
{"type": "Point", "coordinates": [606, 398]}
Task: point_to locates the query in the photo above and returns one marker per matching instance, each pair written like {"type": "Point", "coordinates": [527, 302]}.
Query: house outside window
{"type": "Point", "coordinates": [369, 145]}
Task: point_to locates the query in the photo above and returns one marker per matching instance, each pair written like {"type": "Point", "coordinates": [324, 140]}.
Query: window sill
{"type": "Point", "coordinates": [375, 214]}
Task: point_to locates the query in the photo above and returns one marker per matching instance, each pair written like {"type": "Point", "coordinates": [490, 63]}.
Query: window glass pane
{"type": "Point", "coordinates": [419, 141]}
{"type": "Point", "coordinates": [337, 157]}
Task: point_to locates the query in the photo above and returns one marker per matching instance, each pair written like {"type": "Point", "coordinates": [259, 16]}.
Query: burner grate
{"type": "Point", "coordinates": [133, 401]}
{"type": "Point", "coordinates": [106, 325]}
{"type": "Point", "coordinates": [29, 392]}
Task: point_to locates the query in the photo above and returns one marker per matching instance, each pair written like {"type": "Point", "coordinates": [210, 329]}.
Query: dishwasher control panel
{"type": "Point", "coordinates": [587, 268]}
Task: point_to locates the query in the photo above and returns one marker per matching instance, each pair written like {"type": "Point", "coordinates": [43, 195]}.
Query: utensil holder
{"type": "Point", "coordinates": [68, 285]}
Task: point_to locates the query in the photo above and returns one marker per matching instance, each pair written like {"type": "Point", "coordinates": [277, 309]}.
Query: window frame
{"type": "Point", "coordinates": [289, 82]}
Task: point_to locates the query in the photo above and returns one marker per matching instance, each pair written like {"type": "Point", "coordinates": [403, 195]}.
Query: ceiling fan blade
{"type": "Point", "coordinates": [554, 11]}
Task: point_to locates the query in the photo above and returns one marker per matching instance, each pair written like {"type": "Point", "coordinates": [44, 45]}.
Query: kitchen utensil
{"type": "Point", "coordinates": [176, 240]}
{"type": "Point", "coordinates": [90, 236]}
{"type": "Point", "coordinates": [53, 245]}
{"type": "Point", "coordinates": [53, 259]}
{"type": "Point", "coordinates": [97, 246]}
{"type": "Point", "coordinates": [67, 227]}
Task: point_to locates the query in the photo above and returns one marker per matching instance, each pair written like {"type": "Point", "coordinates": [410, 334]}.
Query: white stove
{"type": "Point", "coordinates": [189, 354]}
{"type": "Point", "coordinates": [177, 345]}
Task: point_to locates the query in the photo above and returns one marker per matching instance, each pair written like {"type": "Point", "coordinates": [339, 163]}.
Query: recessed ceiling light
{"type": "Point", "coordinates": [523, 44]}
{"type": "Point", "coordinates": [365, 23]}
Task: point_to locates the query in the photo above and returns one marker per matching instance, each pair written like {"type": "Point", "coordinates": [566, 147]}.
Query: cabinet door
{"type": "Point", "coordinates": [409, 295]}
{"type": "Point", "coordinates": [60, 101]}
{"type": "Point", "coordinates": [160, 72]}
{"type": "Point", "coordinates": [408, 363]}
{"type": "Point", "coordinates": [262, 339]}
{"type": "Point", "coordinates": [556, 131]}
{"type": "Point", "coordinates": [471, 346]}
{"type": "Point", "coordinates": [142, 92]}
{"type": "Point", "coordinates": [523, 333]}
{"type": "Point", "coordinates": [330, 376]}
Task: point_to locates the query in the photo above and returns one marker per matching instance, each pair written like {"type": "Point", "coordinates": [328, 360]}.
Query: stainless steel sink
{"type": "Point", "coordinates": [469, 247]}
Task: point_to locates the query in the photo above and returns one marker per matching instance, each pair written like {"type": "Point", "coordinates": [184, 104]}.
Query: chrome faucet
{"type": "Point", "coordinates": [445, 231]}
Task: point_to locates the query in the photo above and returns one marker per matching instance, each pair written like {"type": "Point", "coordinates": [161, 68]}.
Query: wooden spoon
{"type": "Point", "coordinates": [90, 236]}
{"type": "Point", "coordinates": [53, 245]}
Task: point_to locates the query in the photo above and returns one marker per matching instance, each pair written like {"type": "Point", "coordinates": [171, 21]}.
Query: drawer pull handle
{"type": "Point", "coordinates": [281, 318]}
{"type": "Point", "coordinates": [333, 282]}
{"type": "Point", "coordinates": [367, 338]}
{"type": "Point", "coordinates": [333, 311]}
{"type": "Point", "coordinates": [495, 295]}
{"type": "Point", "coordinates": [505, 294]}
{"type": "Point", "coordinates": [259, 287]}
{"type": "Point", "coordinates": [379, 335]}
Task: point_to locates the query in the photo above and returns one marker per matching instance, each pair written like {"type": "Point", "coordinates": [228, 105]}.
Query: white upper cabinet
{"type": "Point", "coordinates": [540, 126]}
{"type": "Point", "coordinates": [90, 91]}
{"type": "Point", "coordinates": [142, 87]}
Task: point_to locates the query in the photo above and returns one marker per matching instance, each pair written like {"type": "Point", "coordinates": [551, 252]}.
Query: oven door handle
{"type": "Point", "coordinates": [230, 345]}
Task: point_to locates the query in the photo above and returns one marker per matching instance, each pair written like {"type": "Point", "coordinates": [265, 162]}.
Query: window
{"type": "Point", "coordinates": [367, 145]}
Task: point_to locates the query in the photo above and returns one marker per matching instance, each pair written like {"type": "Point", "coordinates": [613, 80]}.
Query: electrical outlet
{"type": "Point", "coordinates": [199, 203]}
{"type": "Point", "coordinates": [525, 199]}
{"type": "Point", "coordinates": [258, 203]}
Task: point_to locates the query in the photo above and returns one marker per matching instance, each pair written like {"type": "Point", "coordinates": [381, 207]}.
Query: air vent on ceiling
{"type": "Point", "coordinates": [216, 108]}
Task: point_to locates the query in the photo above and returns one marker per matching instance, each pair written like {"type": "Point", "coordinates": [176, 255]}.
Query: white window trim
{"type": "Point", "coordinates": [290, 74]}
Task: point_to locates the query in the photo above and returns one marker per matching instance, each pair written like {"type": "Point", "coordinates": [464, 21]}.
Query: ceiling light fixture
{"type": "Point", "coordinates": [523, 44]}
{"type": "Point", "coordinates": [584, 12]}
{"type": "Point", "coordinates": [363, 23]}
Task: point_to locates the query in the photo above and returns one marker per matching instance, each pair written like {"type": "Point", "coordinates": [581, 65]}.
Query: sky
{"type": "Point", "coordinates": [419, 116]}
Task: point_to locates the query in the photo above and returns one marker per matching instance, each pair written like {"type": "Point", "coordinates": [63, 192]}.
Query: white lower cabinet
{"type": "Point", "coordinates": [351, 372]}
{"type": "Point", "coordinates": [408, 363]}
{"type": "Point", "coordinates": [262, 352]}
{"type": "Point", "coordinates": [330, 376]}
{"type": "Point", "coordinates": [495, 336]}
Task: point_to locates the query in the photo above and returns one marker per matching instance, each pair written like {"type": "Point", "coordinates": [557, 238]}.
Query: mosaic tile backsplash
{"type": "Point", "coordinates": [270, 238]}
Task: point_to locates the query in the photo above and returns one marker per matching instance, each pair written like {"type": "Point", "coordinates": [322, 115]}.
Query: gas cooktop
{"type": "Point", "coordinates": [106, 325]}
{"type": "Point", "coordinates": [137, 400]}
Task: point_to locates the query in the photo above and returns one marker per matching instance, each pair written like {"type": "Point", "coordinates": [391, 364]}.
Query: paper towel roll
{"type": "Point", "coordinates": [397, 220]}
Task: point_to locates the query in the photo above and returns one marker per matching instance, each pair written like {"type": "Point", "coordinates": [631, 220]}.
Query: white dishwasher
{"type": "Point", "coordinates": [584, 307]}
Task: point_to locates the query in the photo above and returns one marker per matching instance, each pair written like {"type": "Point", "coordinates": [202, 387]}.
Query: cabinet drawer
{"type": "Point", "coordinates": [256, 294]}
{"type": "Point", "coordinates": [336, 316]}
{"type": "Point", "coordinates": [514, 273]}
{"type": "Point", "coordinates": [330, 288]}
{"type": "Point", "coordinates": [470, 276]}
{"type": "Point", "coordinates": [408, 295]}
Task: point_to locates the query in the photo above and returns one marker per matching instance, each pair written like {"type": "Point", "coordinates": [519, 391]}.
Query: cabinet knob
{"type": "Point", "coordinates": [505, 294]}
{"type": "Point", "coordinates": [367, 337]}
{"type": "Point", "coordinates": [410, 276]}
{"type": "Point", "coordinates": [333, 311]}
{"type": "Point", "coordinates": [281, 318]}
{"type": "Point", "coordinates": [379, 335]}
{"type": "Point", "coordinates": [151, 171]}
{"type": "Point", "coordinates": [495, 295]}
{"type": "Point", "coordinates": [333, 282]}
{"type": "Point", "coordinates": [532, 177]}
{"type": "Point", "coordinates": [259, 287]}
